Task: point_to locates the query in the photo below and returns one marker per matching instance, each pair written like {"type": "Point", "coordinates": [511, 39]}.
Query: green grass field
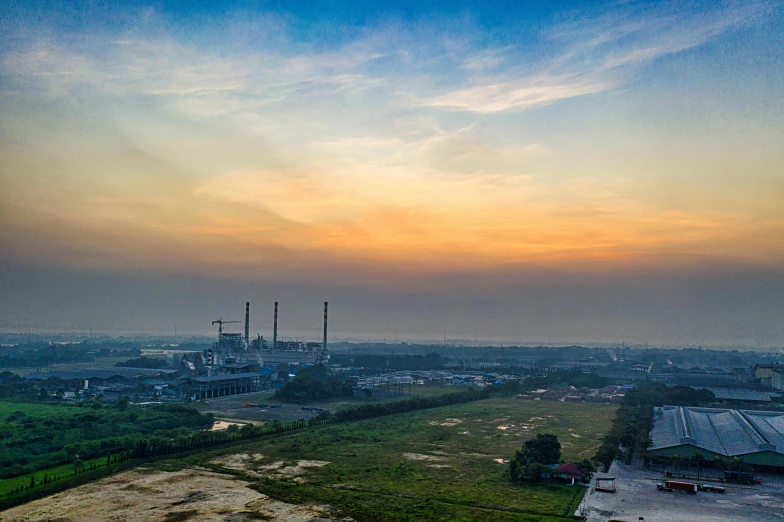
{"type": "Point", "coordinates": [438, 464]}
{"type": "Point", "coordinates": [37, 410]}
{"type": "Point", "coordinates": [60, 472]}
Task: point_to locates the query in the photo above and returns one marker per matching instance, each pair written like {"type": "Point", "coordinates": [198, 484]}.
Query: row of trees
{"type": "Point", "coordinates": [633, 421]}
{"type": "Point", "coordinates": [577, 378]}
{"type": "Point", "coordinates": [367, 411]}
{"type": "Point", "coordinates": [700, 462]}
{"type": "Point", "coordinates": [315, 384]}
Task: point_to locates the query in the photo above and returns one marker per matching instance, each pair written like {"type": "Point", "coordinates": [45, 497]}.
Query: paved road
{"type": "Point", "coordinates": [637, 496]}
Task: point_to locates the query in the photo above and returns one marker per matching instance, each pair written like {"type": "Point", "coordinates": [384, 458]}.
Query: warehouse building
{"type": "Point", "coordinates": [757, 437]}
{"type": "Point", "coordinates": [225, 384]}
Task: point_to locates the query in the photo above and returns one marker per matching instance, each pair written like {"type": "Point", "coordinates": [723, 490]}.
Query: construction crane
{"type": "Point", "coordinates": [220, 322]}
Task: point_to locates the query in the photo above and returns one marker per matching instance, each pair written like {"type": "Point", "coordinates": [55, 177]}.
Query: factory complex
{"type": "Point", "coordinates": [234, 364]}
{"type": "Point", "coordinates": [756, 437]}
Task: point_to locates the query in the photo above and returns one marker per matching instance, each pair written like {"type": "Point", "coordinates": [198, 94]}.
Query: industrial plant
{"type": "Point", "coordinates": [237, 364]}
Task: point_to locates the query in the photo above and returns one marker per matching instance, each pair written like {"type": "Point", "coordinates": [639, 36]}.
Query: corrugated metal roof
{"type": "Point", "coordinates": [100, 373]}
{"type": "Point", "coordinates": [741, 394]}
{"type": "Point", "coordinates": [722, 431]}
{"type": "Point", "coordinates": [225, 376]}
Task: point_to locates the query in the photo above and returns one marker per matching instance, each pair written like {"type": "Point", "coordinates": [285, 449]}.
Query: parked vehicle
{"type": "Point", "coordinates": [712, 488]}
{"type": "Point", "coordinates": [276, 405]}
{"type": "Point", "coordinates": [688, 487]}
{"type": "Point", "coordinates": [662, 487]}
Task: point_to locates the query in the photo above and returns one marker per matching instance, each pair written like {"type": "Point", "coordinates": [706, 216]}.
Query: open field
{"type": "Point", "coordinates": [438, 464]}
{"type": "Point", "coordinates": [33, 409]}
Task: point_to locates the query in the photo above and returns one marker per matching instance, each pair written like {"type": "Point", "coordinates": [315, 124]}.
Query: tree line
{"type": "Point", "coordinates": [633, 421]}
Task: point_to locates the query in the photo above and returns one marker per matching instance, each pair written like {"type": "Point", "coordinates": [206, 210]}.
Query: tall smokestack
{"type": "Point", "coordinates": [275, 329]}
{"type": "Point", "coordinates": [324, 347]}
{"type": "Point", "coordinates": [247, 324]}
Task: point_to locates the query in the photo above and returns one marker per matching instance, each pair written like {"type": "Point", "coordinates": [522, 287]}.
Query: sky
{"type": "Point", "coordinates": [523, 171]}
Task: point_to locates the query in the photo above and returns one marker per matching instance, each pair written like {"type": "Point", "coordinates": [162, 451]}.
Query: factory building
{"type": "Point", "coordinates": [756, 437]}
{"type": "Point", "coordinates": [233, 363]}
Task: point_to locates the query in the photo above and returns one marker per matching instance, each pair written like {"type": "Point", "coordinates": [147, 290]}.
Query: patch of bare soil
{"type": "Point", "coordinates": [447, 422]}
{"type": "Point", "coordinates": [253, 464]}
{"type": "Point", "coordinates": [421, 457]}
{"type": "Point", "coordinates": [146, 494]}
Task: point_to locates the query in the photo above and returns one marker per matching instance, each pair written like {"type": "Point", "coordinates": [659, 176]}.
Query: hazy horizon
{"type": "Point", "coordinates": [587, 172]}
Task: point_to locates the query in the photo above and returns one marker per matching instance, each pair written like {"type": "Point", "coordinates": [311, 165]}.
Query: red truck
{"type": "Point", "coordinates": [671, 485]}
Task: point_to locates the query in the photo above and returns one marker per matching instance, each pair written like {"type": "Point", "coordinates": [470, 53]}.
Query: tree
{"type": "Point", "coordinates": [283, 371]}
{"type": "Point", "coordinates": [719, 463]}
{"type": "Point", "coordinates": [530, 461]}
{"type": "Point", "coordinates": [544, 449]}
{"type": "Point", "coordinates": [676, 462]}
{"type": "Point", "coordinates": [698, 460]}
{"type": "Point", "coordinates": [32, 481]}
{"type": "Point", "coordinates": [315, 383]}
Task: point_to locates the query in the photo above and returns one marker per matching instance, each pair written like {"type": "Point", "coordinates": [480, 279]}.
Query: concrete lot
{"type": "Point", "coordinates": [231, 408]}
{"type": "Point", "coordinates": [636, 497]}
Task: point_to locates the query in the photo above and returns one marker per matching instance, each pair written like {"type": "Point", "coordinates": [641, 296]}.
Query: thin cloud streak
{"type": "Point", "coordinates": [598, 54]}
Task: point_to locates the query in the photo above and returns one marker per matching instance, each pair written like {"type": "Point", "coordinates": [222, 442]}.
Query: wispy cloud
{"type": "Point", "coordinates": [594, 54]}
{"type": "Point", "coordinates": [517, 94]}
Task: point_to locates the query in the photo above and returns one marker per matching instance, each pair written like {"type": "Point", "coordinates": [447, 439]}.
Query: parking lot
{"type": "Point", "coordinates": [637, 499]}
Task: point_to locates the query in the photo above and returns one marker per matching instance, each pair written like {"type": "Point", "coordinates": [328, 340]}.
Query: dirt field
{"type": "Point", "coordinates": [148, 494]}
{"type": "Point", "coordinates": [255, 465]}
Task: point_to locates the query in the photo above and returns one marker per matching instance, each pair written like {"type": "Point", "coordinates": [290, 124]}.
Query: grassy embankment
{"type": "Point", "coordinates": [437, 464]}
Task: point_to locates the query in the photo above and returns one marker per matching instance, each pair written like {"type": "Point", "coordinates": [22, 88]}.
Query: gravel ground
{"type": "Point", "coordinates": [637, 497]}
